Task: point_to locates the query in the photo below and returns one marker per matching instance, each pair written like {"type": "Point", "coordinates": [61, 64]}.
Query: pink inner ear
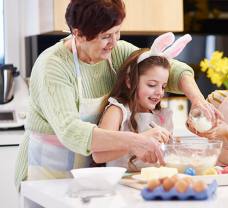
{"type": "Point", "coordinates": [162, 42]}
{"type": "Point", "coordinates": [177, 47]}
{"type": "Point", "coordinates": [175, 52]}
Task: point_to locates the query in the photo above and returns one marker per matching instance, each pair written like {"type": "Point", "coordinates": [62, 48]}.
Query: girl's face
{"type": "Point", "coordinates": [151, 87]}
{"type": "Point", "coordinates": [100, 47]}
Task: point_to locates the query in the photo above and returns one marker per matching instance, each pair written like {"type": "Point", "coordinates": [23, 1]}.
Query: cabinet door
{"type": "Point", "coordinates": [59, 15]}
{"type": "Point", "coordinates": [146, 16]}
{"type": "Point", "coordinates": [142, 16]}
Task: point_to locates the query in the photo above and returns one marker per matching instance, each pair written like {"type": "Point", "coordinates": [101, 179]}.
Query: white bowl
{"type": "Point", "coordinates": [100, 178]}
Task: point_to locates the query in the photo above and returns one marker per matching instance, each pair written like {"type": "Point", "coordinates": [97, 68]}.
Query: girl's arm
{"type": "Point", "coordinates": [111, 120]}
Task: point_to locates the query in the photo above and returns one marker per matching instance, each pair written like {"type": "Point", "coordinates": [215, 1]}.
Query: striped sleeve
{"type": "Point", "coordinates": [178, 69]}
{"type": "Point", "coordinates": [121, 53]}
{"type": "Point", "coordinates": [217, 97]}
{"type": "Point", "coordinates": [21, 165]}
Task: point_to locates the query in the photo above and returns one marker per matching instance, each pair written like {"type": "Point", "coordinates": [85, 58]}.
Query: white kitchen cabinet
{"type": "Point", "coordinates": [9, 141]}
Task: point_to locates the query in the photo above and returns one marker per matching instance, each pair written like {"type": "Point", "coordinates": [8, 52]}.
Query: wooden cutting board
{"type": "Point", "coordinates": [133, 183]}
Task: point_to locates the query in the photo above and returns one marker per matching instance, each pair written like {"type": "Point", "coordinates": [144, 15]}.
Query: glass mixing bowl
{"type": "Point", "coordinates": [198, 153]}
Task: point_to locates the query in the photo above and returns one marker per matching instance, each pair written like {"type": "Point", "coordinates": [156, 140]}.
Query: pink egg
{"type": "Point", "coordinates": [225, 170]}
{"type": "Point", "coordinates": [219, 171]}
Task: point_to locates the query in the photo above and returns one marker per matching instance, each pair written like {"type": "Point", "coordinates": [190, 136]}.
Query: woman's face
{"type": "Point", "coordinates": [151, 87]}
{"type": "Point", "coordinates": [100, 47]}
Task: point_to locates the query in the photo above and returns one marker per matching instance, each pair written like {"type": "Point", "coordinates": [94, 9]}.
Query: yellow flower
{"type": "Point", "coordinates": [204, 65]}
{"type": "Point", "coordinates": [216, 68]}
{"type": "Point", "coordinates": [217, 55]}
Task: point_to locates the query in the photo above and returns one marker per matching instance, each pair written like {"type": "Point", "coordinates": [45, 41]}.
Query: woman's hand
{"type": "Point", "coordinates": [207, 109]}
{"type": "Point", "coordinates": [220, 131]}
{"type": "Point", "coordinates": [188, 85]}
{"type": "Point", "coordinates": [146, 148]}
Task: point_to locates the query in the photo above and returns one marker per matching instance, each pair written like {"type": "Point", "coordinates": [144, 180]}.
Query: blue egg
{"type": "Point", "coordinates": [190, 171]}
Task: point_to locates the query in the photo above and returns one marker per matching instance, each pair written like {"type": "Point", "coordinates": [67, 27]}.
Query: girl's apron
{"type": "Point", "coordinates": [47, 157]}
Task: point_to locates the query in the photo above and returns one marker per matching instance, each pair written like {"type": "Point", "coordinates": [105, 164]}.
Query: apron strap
{"type": "Point", "coordinates": [111, 66]}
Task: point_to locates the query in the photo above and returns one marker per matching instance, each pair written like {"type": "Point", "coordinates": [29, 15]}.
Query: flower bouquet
{"type": "Point", "coordinates": [216, 69]}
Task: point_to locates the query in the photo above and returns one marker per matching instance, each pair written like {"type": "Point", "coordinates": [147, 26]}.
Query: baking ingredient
{"type": "Point", "coordinates": [200, 122]}
{"type": "Point", "coordinates": [168, 183]}
{"type": "Point", "coordinates": [198, 162]}
{"type": "Point", "coordinates": [150, 173]}
{"type": "Point", "coordinates": [199, 186]}
{"type": "Point", "coordinates": [188, 180]}
{"type": "Point", "coordinates": [152, 184]}
{"type": "Point", "coordinates": [181, 186]}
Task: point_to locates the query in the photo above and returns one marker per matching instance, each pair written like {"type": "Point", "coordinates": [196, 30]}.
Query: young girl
{"type": "Point", "coordinates": [134, 103]}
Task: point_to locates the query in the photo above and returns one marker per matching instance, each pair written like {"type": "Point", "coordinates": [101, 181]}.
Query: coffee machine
{"type": "Point", "coordinates": [13, 98]}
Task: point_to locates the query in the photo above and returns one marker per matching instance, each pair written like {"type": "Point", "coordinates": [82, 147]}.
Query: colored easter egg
{"type": "Point", "coordinates": [219, 172]}
{"type": "Point", "coordinates": [225, 170]}
{"type": "Point", "coordinates": [210, 171]}
{"type": "Point", "coordinates": [190, 171]}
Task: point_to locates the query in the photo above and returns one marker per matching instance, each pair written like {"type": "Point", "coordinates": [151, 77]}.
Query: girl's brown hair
{"type": "Point", "coordinates": [130, 72]}
{"type": "Point", "coordinates": [92, 17]}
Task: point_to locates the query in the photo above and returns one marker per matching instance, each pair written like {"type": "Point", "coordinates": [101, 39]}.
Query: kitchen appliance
{"type": "Point", "coordinates": [13, 98]}
{"type": "Point", "coordinates": [7, 74]}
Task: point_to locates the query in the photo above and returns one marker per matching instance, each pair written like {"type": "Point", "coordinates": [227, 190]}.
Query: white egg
{"type": "Point", "coordinates": [201, 124]}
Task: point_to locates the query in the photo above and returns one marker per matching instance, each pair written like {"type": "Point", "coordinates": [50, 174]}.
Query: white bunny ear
{"type": "Point", "coordinates": [162, 42]}
{"type": "Point", "coordinates": [159, 44]}
{"type": "Point", "coordinates": [178, 46]}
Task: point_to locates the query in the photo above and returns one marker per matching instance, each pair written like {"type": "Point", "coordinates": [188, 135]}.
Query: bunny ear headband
{"type": "Point", "coordinates": [159, 47]}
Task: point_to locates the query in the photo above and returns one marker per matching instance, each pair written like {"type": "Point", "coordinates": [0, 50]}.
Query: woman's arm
{"type": "Point", "coordinates": [189, 87]}
{"type": "Point", "coordinates": [111, 120]}
{"type": "Point", "coordinates": [57, 101]}
{"type": "Point", "coordinates": [181, 80]}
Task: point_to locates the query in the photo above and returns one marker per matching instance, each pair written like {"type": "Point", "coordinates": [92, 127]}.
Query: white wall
{"type": "Point", "coordinates": [24, 18]}
{"type": "Point", "coordinates": [12, 32]}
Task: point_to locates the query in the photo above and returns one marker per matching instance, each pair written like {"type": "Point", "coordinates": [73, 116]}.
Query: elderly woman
{"type": "Point", "coordinates": [69, 85]}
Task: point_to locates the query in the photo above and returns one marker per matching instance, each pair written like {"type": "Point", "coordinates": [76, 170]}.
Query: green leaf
{"type": "Point", "coordinates": [226, 84]}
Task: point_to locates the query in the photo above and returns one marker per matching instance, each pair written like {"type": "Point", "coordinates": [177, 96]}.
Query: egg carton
{"type": "Point", "coordinates": [160, 194]}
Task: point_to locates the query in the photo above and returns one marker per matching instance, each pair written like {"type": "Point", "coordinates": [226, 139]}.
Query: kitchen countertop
{"type": "Point", "coordinates": [11, 137]}
{"type": "Point", "coordinates": [52, 193]}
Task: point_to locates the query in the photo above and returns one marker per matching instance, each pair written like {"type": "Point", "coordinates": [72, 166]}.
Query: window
{"type": "Point", "coordinates": [1, 34]}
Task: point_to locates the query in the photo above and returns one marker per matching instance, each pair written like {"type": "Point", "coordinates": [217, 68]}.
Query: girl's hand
{"type": "Point", "coordinates": [159, 133]}
{"type": "Point", "coordinates": [146, 148]}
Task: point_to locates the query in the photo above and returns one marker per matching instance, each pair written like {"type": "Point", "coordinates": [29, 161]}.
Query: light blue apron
{"type": "Point", "coordinates": [47, 157]}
